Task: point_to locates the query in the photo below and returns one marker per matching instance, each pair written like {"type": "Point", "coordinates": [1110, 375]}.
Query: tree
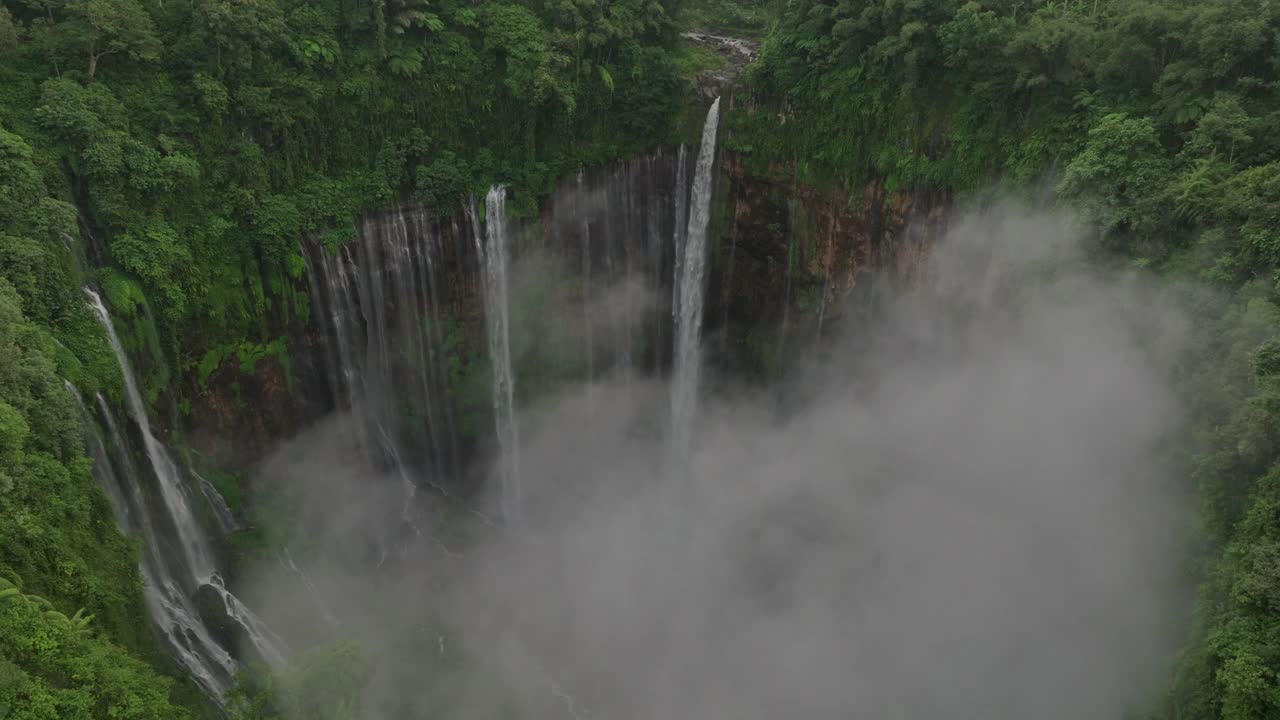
{"type": "Point", "coordinates": [516, 35]}
{"type": "Point", "coordinates": [1119, 175]}
{"type": "Point", "coordinates": [108, 27]}
{"type": "Point", "coordinates": [53, 666]}
{"type": "Point", "coordinates": [8, 30]}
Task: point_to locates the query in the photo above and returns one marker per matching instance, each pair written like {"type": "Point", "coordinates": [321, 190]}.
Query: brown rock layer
{"type": "Point", "coordinates": [788, 259]}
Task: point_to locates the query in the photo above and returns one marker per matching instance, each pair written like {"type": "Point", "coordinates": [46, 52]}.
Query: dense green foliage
{"type": "Point", "coordinates": [955, 93]}
{"type": "Point", "coordinates": [200, 140]}
{"type": "Point", "coordinates": [56, 528]}
{"type": "Point", "coordinates": [184, 148]}
{"type": "Point", "coordinates": [58, 533]}
{"type": "Point", "coordinates": [1159, 120]}
{"type": "Point", "coordinates": [55, 666]}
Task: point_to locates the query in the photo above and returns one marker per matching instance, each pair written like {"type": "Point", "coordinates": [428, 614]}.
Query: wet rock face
{"type": "Point", "coordinates": [786, 264]}
{"type": "Point", "coordinates": [245, 408]}
{"type": "Point", "coordinates": [791, 261]}
{"type": "Point", "coordinates": [213, 611]}
{"type": "Point", "coordinates": [219, 619]}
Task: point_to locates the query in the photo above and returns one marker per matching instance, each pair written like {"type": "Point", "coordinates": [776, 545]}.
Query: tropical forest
{"type": "Point", "coordinates": [639, 359]}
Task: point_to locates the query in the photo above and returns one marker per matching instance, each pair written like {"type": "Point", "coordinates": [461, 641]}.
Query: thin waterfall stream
{"type": "Point", "coordinates": [171, 579]}
{"type": "Point", "coordinates": [196, 553]}
{"type": "Point", "coordinates": [172, 610]}
{"type": "Point", "coordinates": [494, 257]}
{"type": "Point", "coordinates": [690, 291]}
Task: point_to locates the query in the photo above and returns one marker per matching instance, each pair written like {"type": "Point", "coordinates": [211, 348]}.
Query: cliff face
{"type": "Point", "coordinates": [788, 263]}
{"type": "Point", "coordinates": [396, 332]}
{"type": "Point", "coordinates": [790, 260]}
{"type": "Point", "coordinates": [246, 406]}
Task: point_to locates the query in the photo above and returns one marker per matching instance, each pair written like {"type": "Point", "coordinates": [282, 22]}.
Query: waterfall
{"type": "Point", "coordinates": [194, 547]}
{"type": "Point", "coordinates": [680, 225]}
{"type": "Point", "coordinates": [171, 608]}
{"type": "Point", "coordinates": [286, 561]}
{"type": "Point", "coordinates": [397, 305]}
{"type": "Point", "coordinates": [102, 470]}
{"type": "Point", "coordinates": [493, 251]}
{"type": "Point", "coordinates": [264, 641]}
{"type": "Point", "coordinates": [780, 355]}
{"type": "Point", "coordinates": [617, 259]}
{"type": "Point", "coordinates": [171, 579]}
{"type": "Point", "coordinates": [379, 299]}
{"type": "Point", "coordinates": [822, 303]}
{"type": "Point", "coordinates": [584, 221]}
{"type": "Point", "coordinates": [221, 513]}
{"type": "Point", "coordinates": [689, 288]}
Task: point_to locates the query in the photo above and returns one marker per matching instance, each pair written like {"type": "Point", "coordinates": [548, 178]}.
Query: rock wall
{"type": "Point", "coordinates": [790, 260]}
{"type": "Point", "coordinates": [244, 408]}
{"type": "Point", "coordinates": [789, 263]}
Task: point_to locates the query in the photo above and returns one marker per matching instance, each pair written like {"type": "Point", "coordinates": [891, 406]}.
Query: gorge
{"type": "Point", "coordinates": [677, 359]}
{"type": "Point", "coordinates": [569, 322]}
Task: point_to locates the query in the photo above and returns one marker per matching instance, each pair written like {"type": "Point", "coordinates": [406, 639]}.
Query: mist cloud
{"type": "Point", "coordinates": [965, 511]}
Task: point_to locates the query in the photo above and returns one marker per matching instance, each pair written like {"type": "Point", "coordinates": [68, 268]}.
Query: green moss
{"type": "Point", "coordinates": [337, 237]}
{"type": "Point", "coordinates": [123, 294]}
{"type": "Point", "coordinates": [229, 485]}
{"type": "Point", "coordinates": [694, 58]}
{"type": "Point", "coordinates": [247, 354]}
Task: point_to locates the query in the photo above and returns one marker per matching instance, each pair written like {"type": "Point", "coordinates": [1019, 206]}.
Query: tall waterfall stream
{"type": "Point", "coordinates": [178, 558]}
